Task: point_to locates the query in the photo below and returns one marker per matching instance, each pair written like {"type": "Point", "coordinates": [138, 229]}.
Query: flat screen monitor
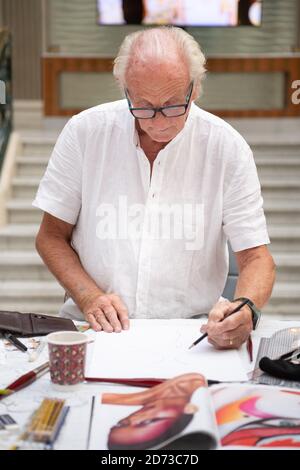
{"type": "Point", "coordinates": [185, 13]}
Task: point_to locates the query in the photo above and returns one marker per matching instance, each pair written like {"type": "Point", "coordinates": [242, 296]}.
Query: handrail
{"type": "Point", "coordinates": [5, 92]}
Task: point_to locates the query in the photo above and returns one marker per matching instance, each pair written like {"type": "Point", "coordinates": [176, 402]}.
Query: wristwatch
{"type": "Point", "coordinates": [256, 313]}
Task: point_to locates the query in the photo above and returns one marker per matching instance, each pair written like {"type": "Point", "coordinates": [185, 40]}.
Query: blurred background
{"type": "Point", "coordinates": [56, 59]}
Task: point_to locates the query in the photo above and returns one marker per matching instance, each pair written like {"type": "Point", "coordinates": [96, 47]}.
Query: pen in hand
{"type": "Point", "coordinates": [241, 305]}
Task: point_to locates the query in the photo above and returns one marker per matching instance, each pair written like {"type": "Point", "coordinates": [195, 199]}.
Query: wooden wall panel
{"type": "Point", "coordinates": [24, 20]}
{"type": "Point", "coordinates": [53, 67]}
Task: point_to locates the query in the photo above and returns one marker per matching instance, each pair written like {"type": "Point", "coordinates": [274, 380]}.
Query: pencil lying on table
{"type": "Point", "coordinates": [140, 382]}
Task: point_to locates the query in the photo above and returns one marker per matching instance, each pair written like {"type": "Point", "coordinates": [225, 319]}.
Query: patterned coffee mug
{"type": "Point", "coordinates": [67, 353]}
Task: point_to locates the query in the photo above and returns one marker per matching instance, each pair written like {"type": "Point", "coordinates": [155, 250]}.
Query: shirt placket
{"type": "Point", "coordinates": [144, 264]}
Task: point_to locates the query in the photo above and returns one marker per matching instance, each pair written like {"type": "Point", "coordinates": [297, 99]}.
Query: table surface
{"type": "Point", "coordinates": [75, 431]}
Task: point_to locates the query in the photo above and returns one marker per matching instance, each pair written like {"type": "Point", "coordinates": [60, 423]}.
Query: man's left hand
{"type": "Point", "coordinates": [231, 332]}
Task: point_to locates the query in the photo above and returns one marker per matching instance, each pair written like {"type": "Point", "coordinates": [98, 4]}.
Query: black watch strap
{"type": "Point", "coordinates": [256, 313]}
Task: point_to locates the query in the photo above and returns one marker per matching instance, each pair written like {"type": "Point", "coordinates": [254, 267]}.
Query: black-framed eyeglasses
{"type": "Point", "coordinates": [174, 110]}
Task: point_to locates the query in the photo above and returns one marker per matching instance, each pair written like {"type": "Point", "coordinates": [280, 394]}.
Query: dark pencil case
{"type": "Point", "coordinates": [33, 324]}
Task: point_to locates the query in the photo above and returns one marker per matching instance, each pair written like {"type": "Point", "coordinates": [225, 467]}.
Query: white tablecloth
{"type": "Point", "coordinates": [75, 431]}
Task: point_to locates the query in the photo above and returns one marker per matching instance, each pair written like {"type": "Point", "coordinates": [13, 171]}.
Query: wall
{"type": "Point", "coordinates": [73, 28]}
{"type": "Point", "coordinates": [298, 27]}
{"type": "Point", "coordinates": [24, 20]}
{"type": "Point", "coordinates": [1, 13]}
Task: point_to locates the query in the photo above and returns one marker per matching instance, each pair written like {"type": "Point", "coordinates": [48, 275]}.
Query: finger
{"type": "Point", "coordinates": [238, 332]}
{"type": "Point", "coordinates": [105, 324]}
{"type": "Point", "coordinates": [214, 343]}
{"type": "Point", "coordinates": [231, 340]}
{"type": "Point", "coordinates": [221, 344]}
{"type": "Point", "coordinates": [93, 322]}
{"type": "Point", "coordinates": [203, 328]}
{"type": "Point", "coordinates": [112, 317]}
{"type": "Point", "coordinates": [230, 334]}
{"type": "Point", "coordinates": [219, 311]}
{"type": "Point", "coordinates": [217, 315]}
{"type": "Point", "coordinates": [231, 323]}
{"type": "Point", "coordinates": [121, 311]}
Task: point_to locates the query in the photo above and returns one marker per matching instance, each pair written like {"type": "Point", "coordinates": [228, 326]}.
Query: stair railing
{"type": "Point", "coordinates": [5, 92]}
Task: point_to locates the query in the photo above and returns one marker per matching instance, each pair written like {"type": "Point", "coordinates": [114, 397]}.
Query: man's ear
{"type": "Point", "coordinates": [196, 92]}
{"type": "Point", "coordinates": [190, 409]}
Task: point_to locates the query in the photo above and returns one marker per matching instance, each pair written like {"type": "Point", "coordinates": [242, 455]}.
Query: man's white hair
{"type": "Point", "coordinates": [157, 44]}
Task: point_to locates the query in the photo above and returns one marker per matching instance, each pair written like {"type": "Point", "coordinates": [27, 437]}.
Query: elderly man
{"type": "Point", "coordinates": [141, 196]}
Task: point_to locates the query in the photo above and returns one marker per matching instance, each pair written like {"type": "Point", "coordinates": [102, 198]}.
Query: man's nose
{"type": "Point", "coordinates": [159, 118]}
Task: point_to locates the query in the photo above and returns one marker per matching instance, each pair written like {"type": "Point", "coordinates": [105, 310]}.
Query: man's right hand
{"type": "Point", "coordinates": [106, 312]}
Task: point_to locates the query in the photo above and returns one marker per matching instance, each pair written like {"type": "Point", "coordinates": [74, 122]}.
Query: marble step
{"type": "Point", "coordinates": [18, 237]}
{"type": "Point", "coordinates": [27, 306]}
{"type": "Point", "coordinates": [284, 238]}
{"type": "Point", "coordinates": [15, 293]}
{"type": "Point", "coordinates": [25, 187]}
{"type": "Point", "coordinates": [274, 148]}
{"type": "Point", "coordinates": [39, 144]}
{"type": "Point", "coordinates": [278, 167]}
{"type": "Point", "coordinates": [22, 265]}
{"type": "Point", "coordinates": [31, 166]}
{"type": "Point", "coordinates": [21, 211]}
{"type": "Point", "coordinates": [282, 211]}
{"type": "Point", "coordinates": [288, 267]}
{"type": "Point", "coordinates": [277, 182]}
{"type": "Point", "coordinates": [285, 299]}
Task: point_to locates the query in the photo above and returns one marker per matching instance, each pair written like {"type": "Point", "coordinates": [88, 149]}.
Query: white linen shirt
{"type": "Point", "coordinates": [97, 163]}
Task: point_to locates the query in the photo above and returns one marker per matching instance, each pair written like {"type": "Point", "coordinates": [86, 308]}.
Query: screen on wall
{"type": "Point", "coordinates": [186, 13]}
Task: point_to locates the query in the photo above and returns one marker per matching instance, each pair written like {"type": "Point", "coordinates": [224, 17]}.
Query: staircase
{"type": "Point", "coordinates": [27, 285]}
{"type": "Point", "coordinates": [279, 172]}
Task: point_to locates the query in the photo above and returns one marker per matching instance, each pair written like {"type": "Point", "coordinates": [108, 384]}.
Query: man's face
{"type": "Point", "coordinates": [156, 88]}
{"type": "Point", "coordinates": [148, 423]}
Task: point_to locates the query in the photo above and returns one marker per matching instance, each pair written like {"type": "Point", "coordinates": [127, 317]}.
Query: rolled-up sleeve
{"type": "Point", "coordinates": [244, 221]}
{"type": "Point", "coordinates": [59, 191]}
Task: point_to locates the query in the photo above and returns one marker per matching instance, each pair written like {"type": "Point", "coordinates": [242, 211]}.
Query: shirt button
{"type": "Point", "coordinates": [153, 194]}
